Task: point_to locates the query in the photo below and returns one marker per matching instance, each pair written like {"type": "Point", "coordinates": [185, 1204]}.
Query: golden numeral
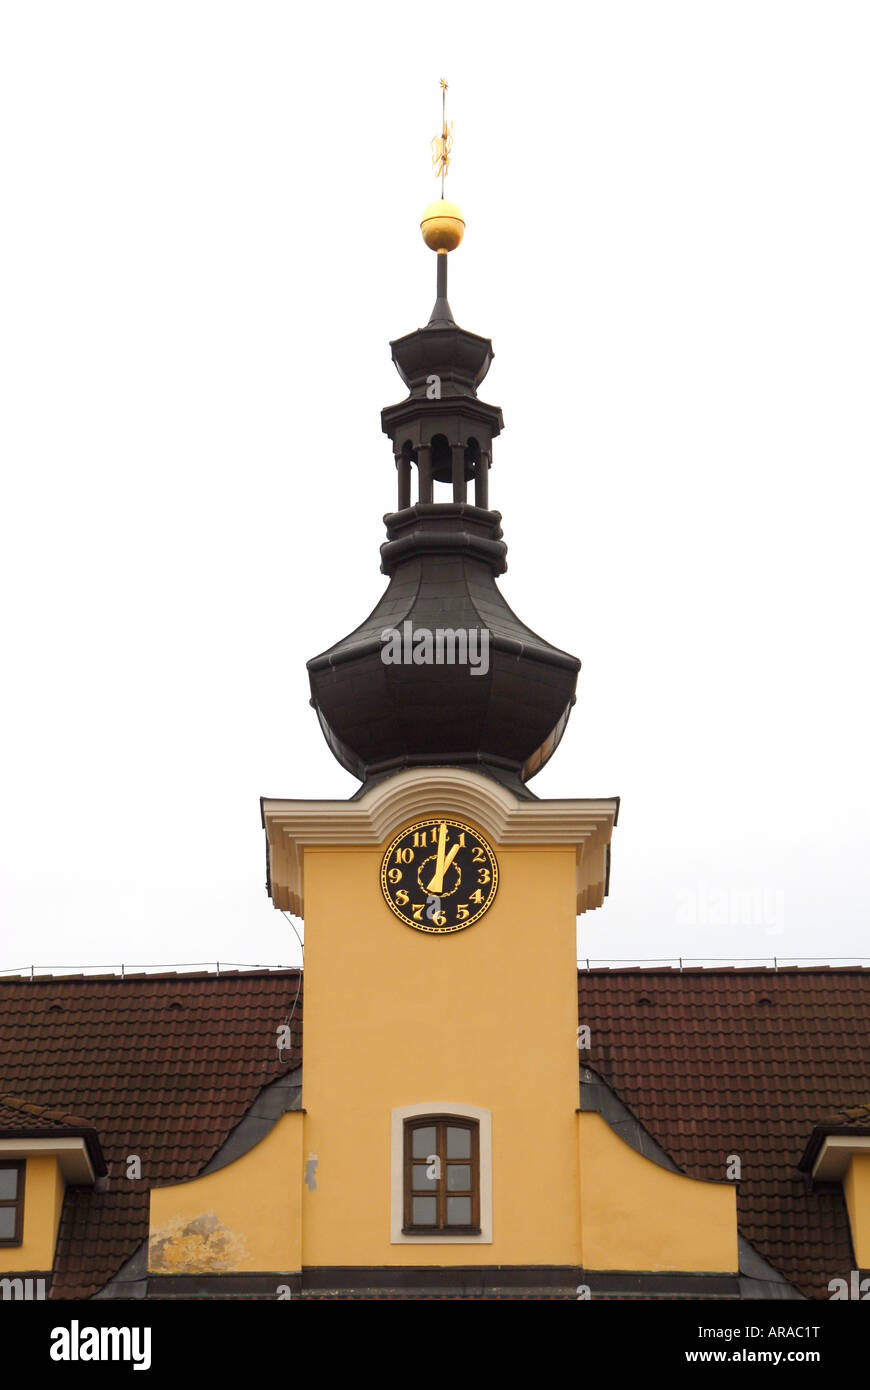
{"type": "Point", "coordinates": [477, 855]}
{"type": "Point", "coordinates": [402, 898]}
{"type": "Point", "coordinates": [404, 856]}
{"type": "Point", "coordinates": [461, 912]}
{"type": "Point", "coordinates": [395, 875]}
{"type": "Point", "coordinates": [483, 875]}
{"type": "Point", "coordinates": [461, 838]}
{"type": "Point", "coordinates": [418, 912]}
{"type": "Point", "coordinates": [476, 896]}
{"type": "Point", "coordinates": [439, 919]}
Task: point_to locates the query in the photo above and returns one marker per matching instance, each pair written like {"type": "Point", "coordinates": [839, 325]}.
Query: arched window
{"type": "Point", "coordinates": [441, 1175]}
{"type": "Point", "coordinates": [441, 464]}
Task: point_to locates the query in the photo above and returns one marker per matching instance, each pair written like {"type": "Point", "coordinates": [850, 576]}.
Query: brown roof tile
{"type": "Point", "coordinates": [164, 1066]}
{"type": "Point", "coordinates": [719, 1062]}
{"type": "Point", "coordinates": [22, 1116]}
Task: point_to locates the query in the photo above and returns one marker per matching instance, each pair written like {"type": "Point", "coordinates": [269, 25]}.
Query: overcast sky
{"type": "Point", "coordinates": [210, 232]}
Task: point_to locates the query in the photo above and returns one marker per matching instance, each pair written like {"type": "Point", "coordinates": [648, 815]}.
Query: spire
{"type": "Point", "coordinates": [443, 225]}
{"type": "Point", "coordinates": [381, 711]}
{"type": "Point", "coordinates": [442, 316]}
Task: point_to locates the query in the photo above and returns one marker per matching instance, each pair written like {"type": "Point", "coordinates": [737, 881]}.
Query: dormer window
{"type": "Point", "coordinates": [441, 1175]}
{"type": "Point", "coordinates": [11, 1203]}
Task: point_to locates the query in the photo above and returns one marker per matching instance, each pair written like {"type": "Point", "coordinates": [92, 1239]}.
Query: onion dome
{"type": "Point", "coordinates": [442, 672]}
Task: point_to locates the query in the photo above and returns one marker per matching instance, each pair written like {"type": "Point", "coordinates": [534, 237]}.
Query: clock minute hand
{"type": "Point", "coordinates": [436, 883]}
{"type": "Point", "coordinates": [438, 875]}
{"type": "Point", "coordinates": [442, 841]}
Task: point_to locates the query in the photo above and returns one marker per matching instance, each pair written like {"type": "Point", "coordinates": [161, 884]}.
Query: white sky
{"type": "Point", "coordinates": [209, 235]}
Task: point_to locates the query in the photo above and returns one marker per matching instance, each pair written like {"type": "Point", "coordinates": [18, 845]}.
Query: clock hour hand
{"type": "Point", "coordinates": [442, 864]}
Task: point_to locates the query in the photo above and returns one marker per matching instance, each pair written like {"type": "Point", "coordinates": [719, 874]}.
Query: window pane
{"type": "Point", "coordinates": [425, 1211]}
{"type": "Point", "coordinates": [458, 1177]}
{"type": "Point", "coordinates": [8, 1184]}
{"type": "Point", "coordinates": [424, 1142]}
{"type": "Point", "coordinates": [420, 1179]}
{"type": "Point", "coordinates": [458, 1211]}
{"type": "Point", "coordinates": [458, 1142]}
{"type": "Point", "coordinates": [7, 1223]}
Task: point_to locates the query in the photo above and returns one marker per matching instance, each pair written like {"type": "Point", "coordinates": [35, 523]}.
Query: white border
{"type": "Point", "coordinates": [397, 1164]}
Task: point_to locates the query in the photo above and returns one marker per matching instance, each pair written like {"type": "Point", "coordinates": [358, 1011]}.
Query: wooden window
{"type": "Point", "coordinates": [11, 1203]}
{"type": "Point", "coordinates": [442, 1175]}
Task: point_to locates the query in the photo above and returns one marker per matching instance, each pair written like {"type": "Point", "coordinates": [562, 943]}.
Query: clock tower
{"type": "Point", "coordinates": [438, 1136]}
{"type": "Point", "coordinates": [440, 1081]}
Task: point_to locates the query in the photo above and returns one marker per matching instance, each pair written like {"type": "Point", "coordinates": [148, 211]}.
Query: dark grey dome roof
{"type": "Point", "coordinates": [443, 559]}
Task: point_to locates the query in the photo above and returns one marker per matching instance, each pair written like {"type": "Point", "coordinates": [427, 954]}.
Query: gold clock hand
{"type": "Point", "coordinates": [436, 883]}
{"type": "Point", "coordinates": [439, 862]}
{"type": "Point", "coordinates": [442, 841]}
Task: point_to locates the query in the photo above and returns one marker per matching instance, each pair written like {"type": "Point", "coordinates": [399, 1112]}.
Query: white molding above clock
{"type": "Point", "coordinates": [292, 826]}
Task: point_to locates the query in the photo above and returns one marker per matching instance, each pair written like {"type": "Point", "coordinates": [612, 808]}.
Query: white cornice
{"type": "Point", "coordinates": [293, 826]}
{"type": "Point", "coordinates": [72, 1154]}
{"type": "Point", "coordinates": [836, 1153]}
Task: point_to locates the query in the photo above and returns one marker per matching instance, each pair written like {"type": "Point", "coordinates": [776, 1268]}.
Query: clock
{"type": "Point", "coordinates": [439, 875]}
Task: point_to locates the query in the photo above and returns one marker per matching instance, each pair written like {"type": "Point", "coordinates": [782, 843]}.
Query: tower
{"type": "Point", "coordinates": [440, 1079]}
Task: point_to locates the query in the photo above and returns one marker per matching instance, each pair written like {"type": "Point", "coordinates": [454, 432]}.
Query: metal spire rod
{"type": "Point", "coordinates": [443, 129]}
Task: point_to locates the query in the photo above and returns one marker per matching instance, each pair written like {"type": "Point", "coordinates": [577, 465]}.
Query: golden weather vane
{"type": "Point", "coordinates": [442, 145]}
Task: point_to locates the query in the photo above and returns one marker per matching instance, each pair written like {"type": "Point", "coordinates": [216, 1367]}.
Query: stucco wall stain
{"type": "Point", "coordinates": [195, 1245]}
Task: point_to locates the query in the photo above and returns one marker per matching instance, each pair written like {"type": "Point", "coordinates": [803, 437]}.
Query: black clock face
{"type": "Point", "coordinates": [439, 875]}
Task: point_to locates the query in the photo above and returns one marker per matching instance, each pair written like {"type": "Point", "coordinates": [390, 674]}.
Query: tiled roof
{"type": "Point", "coordinates": [712, 1062]}
{"type": "Point", "coordinates": [164, 1066]}
{"type": "Point", "coordinates": [745, 1062]}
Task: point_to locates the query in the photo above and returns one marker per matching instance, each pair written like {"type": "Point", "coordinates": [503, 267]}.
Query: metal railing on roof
{"type": "Point", "coordinates": [219, 967]}
{"type": "Point", "coordinates": [35, 972]}
{"type": "Point", "coordinates": [717, 962]}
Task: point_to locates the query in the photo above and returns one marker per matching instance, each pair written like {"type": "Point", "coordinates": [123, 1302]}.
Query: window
{"type": "Point", "coordinates": [11, 1203]}
{"type": "Point", "coordinates": [442, 1175]}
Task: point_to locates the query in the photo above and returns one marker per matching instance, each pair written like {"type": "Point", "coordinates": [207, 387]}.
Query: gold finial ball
{"type": "Point", "coordinates": [443, 226]}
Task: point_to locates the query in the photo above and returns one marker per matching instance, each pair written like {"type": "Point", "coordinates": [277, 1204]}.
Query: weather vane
{"type": "Point", "coordinates": [442, 145]}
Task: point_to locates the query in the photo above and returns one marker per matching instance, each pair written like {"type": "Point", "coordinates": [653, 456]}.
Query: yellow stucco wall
{"type": "Point", "coordinates": [244, 1217]}
{"type": "Point", "coordinates": [43, 1199]}
{"type": "Point", "coordinates": [637, 1215]}
{"type": "Point", "coordinates": [856, 1186]}
{"type": "Point", "coordinates": [485, 1017]}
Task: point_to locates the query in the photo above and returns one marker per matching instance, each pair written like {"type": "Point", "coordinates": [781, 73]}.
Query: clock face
{"type": "Point", "coordinates": [439, 875]}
